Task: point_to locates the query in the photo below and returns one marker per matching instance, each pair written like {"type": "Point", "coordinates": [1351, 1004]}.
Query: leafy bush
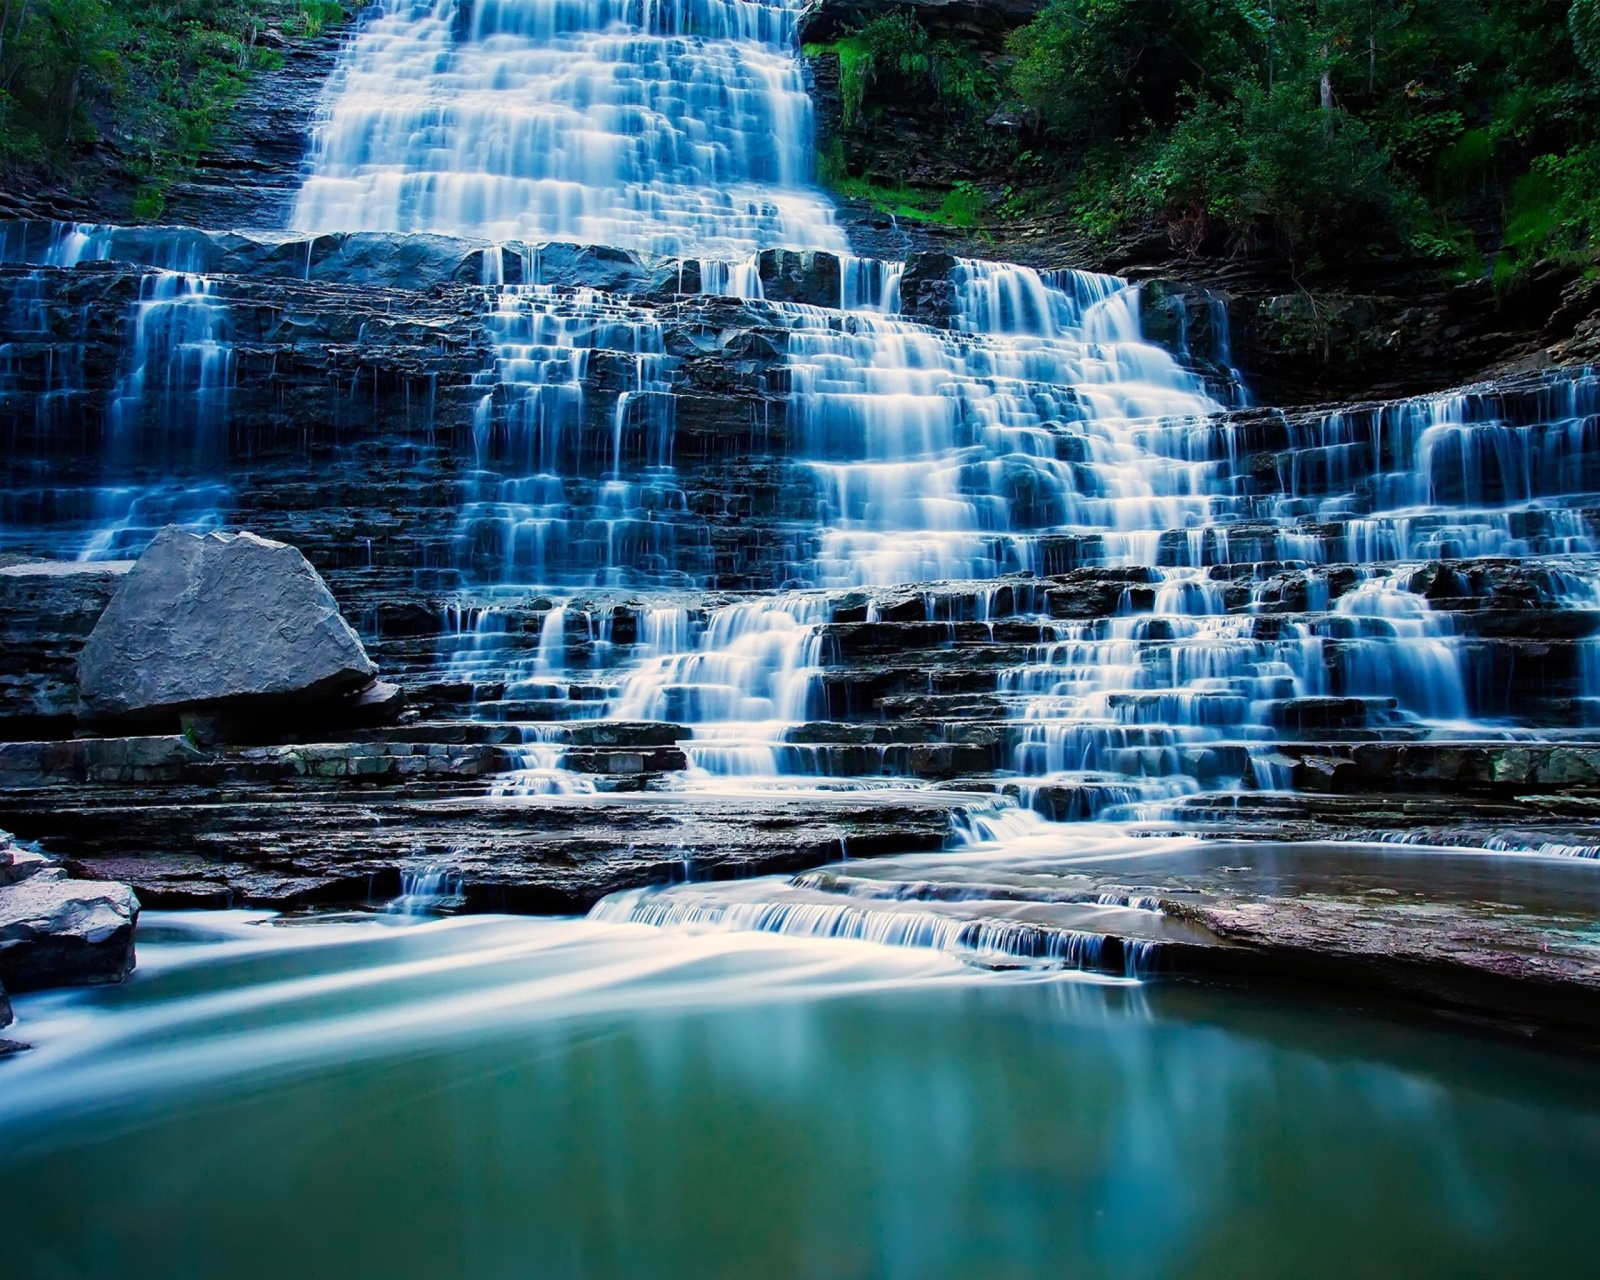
{"type": "Point", "coordinates": [1555, 208]}
{"type": "Point", "coordinates": [1323, 126]}
{"type": "Point", "coordinates": [1583, 19]}
{"type": "Point", "coordinates": [893, 52]}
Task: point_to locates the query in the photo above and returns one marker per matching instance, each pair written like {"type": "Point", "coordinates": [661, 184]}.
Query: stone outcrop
{"type": "Point", "coordinates": [47, 610]}
{"type": "Point", "coordinates": [56, 931]}
{"type": "Point", "coordinates": [218, 622]}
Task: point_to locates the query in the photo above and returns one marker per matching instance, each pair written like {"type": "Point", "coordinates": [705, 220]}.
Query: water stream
{"type": "Point", "coordinates": [501, 1097]}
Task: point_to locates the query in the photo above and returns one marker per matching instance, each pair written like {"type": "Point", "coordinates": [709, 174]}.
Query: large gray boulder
{"type": "Point", "coordinates": [59, 932]}
{"type": "Point", "coordinates": [218, 621]}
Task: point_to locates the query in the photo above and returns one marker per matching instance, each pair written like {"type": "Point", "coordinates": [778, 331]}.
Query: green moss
{"type": "Point", "coordinates": [963, 206]}
{"type": "Point", "coordinates": [958, 208]}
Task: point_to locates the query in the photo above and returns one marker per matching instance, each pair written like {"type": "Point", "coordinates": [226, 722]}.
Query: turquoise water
{"type": "Point", "coordinates": [507, 1097]}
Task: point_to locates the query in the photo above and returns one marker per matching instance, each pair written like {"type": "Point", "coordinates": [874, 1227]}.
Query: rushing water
{"type": "Point", "coordinates": [672, 126]}
{"type": "Point", "coordinates": [512, 1097]}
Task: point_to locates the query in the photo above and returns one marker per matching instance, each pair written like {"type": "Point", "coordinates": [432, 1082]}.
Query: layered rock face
{"type": "Point", "coordinates": [57, 931]}
{"type": "Point", "coordinates": [540, 499]}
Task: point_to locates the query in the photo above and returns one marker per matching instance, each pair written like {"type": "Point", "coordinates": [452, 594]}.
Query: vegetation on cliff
{"type": "Point", "coordinates": [149, 81]}
{"type": "Point", "coordinates": [1466, 131]}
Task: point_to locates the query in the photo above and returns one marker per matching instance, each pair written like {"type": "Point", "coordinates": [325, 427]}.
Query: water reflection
{"type": "Point", "coordinates": [511, 1097]}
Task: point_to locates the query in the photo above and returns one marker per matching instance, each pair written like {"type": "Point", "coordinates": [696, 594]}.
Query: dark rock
{"type": "Point", "coordinates": [927, 293]}
{"type": "Point", "coordinates": [788, 275]}
{"type": "Point", "coordinates": [325, 842]}
{"type": "Point", "coordinates": [57, 932]}
{"type": "Point", "coordinates": [6, 1018]}
{"type": "Point", "coordinates": [218, 620]}
{"type": "Point", "coordinates": [47, 610]}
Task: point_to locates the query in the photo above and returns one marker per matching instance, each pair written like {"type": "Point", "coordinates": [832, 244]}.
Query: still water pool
{"type": "Point", "coordinates": [493, 1097]}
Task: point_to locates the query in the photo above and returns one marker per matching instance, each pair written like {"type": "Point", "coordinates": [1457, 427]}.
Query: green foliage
{"type": "Point", "coordinates": [152, 78]}
{"type": "Point", "coordinates": [1102, 69]}
{"type": "Point", "coordinates": [893, 53]}
{"type": "Point", "coordinates": [960, 207]}
{"type": "Point", "coordinates": [1273, 160]}
{"type": "Point", "coordinates": [1555, 208]}
{"type": "Point", "coordinates": [963, 205]}
{"type": "Point", "coordinates": [1583, 19]}
{"type": "Point", "coordinates": [1323, 126]}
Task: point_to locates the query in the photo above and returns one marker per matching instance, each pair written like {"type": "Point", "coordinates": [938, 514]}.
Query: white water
{"type": "Point", "coordinates": [677, 127]}
{"type": "Point", "coordinates": [1035, 434]}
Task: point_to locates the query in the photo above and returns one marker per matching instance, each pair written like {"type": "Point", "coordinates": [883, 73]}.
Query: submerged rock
{"type": "Point", "coordinates": [216, 622]}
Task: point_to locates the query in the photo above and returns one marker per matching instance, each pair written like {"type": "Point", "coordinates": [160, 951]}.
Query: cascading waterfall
{"type": "Point", "coordinates": [1027, 429]}
{"type": "Point", "coordinates": [569, 497]}
{"type": "Point", "coordinates": [677, 127]}
{"type": "Point", "coordinates": [167, 412]}
{"type": "Point", "coordinates": [1042, 419]}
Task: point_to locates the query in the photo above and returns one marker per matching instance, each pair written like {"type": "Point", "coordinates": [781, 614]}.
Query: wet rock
{"type": "Point", "coordinates": [47, 610]}
{"type": "Point", "coordinates": [217, 621]}
{"type": "Point", "coordinates": [788, 275]}
{"type": "Point", "coordinates": [927, 292]}
{"type": "Point", "coordinates": [327, 842]}
{"type": "Point", "coordinates": [6, 1018]}
{"type": "Point", "coordinates": [57, 932]}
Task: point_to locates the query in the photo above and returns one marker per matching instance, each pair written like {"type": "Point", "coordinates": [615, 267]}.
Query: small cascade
{"type": "Point", "coordinates": [169, 413]}
{"type": "Point", "coordinates": [740, 279]}
{"type": "Point", "coordinates": [571, 488]}
{"type": "Point", "coordinates": [428, 889]}
{"type": "Point", "coordinates": [162, 433]}
{"type": "Point", "coordinates": [540, 770]}
{"type": "Point", "coordinates": [1100, 933]}
{"type": "Point", "coordinates": [741, 683]}
{"type": "Point", "coordinates": [1478, 472]}
{"type": "Point", "coordinates": [1040, 430]}
{"type": "Point", "coordinates": [868, 284]}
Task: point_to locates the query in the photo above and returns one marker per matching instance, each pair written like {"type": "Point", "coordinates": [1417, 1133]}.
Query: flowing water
{"type": "Point", "coordinates": [673, 126]}
{"type": "Point", "coordinates": [950, 1064]}
{"type": "Point", "coordinates": [494, 1096]}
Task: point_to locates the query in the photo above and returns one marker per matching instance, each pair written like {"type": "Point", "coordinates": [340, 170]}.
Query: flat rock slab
{"type": "Point", "coordinates": [1510, 937]}
{"type": "Point", "coordinates": [57, 932]}
{"type": "Point", "coordinates": [558, 854]}
{"type": "Point", "coordinates": [214, 621]}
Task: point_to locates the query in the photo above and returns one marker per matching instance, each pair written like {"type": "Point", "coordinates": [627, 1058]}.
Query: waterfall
{"type": "Point", "coordinates": [677, 127]}
{"type": "Point", "coordinates": [681, 487]}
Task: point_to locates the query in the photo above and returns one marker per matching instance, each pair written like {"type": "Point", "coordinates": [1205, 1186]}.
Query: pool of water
{"type": "Point", "coordinates": [511, 1097]}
